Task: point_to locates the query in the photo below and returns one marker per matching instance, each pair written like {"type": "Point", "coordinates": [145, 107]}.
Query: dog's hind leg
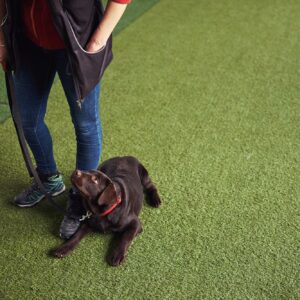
{"type": "Point", "coordinates": [149, 187]}
{"type": "Point", "coordinates": [66, 248]}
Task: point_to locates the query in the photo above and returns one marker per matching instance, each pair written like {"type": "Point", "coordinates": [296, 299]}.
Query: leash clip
{"type": "Point", "coordinates": [86, 216]}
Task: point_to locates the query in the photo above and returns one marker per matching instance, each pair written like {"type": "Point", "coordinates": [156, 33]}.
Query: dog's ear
{"type": "Point", "coordinates": [108, 196]}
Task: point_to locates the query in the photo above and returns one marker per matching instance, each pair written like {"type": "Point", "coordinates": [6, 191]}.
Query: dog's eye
{"type": "Point", "coordinates": [94, 179]}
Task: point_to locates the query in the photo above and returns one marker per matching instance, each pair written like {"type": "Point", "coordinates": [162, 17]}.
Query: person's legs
{"type": "Point", "coordinates": [87, 125]}
{"type": "Point", "coordinates": [85, 118]}
{"type": "Point", "coordinates": [32, 84]}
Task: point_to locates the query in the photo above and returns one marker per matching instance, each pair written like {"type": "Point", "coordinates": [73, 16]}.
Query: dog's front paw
{"type": "Point", "coordinates": [61, 252]}
{"type": "Point", "coordinates": [116, 258]}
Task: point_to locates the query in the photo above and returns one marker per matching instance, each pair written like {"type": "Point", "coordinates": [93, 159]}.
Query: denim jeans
{"type": "Point", "coordinates": [32, 82]}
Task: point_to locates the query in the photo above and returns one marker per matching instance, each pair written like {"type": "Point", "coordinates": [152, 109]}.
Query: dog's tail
{"type": "Point", "coordinates": [149, 187]}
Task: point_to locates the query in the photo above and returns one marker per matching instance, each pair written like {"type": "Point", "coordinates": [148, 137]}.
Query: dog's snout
{"type": "Point", "coordinates": [78, 173]}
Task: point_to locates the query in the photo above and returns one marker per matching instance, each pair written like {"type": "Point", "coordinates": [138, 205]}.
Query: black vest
{"type": "Point", "coordinates": [75, 21]}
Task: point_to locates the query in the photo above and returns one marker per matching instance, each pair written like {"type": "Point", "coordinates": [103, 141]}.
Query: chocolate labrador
{"type": "Point", "coordinates": [113, 198]}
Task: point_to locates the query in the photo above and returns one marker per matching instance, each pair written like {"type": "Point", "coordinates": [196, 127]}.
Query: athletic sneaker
{"type": "Point", "coordinates": [33, 195]}
{"type": "Point", "coordinates": [71, 220]}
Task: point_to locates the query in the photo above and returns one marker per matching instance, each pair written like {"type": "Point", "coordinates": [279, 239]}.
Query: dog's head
{"type": "Point", "coordinates": [97, 190]}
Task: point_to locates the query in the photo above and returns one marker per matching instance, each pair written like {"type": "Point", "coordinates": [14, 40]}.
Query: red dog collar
{"type": "Point", "coordinates": [108, 211]}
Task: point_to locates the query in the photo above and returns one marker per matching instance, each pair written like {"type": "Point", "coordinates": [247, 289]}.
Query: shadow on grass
{"type": "Point", "coordinates": [52, 216]}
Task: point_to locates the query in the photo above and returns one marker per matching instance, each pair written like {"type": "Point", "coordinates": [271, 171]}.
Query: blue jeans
{"type": "Point", "coordinates": [33, 81]}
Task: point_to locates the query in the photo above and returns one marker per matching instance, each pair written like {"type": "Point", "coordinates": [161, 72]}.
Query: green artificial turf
{"type": "Point", "coordinates": [206, 95]}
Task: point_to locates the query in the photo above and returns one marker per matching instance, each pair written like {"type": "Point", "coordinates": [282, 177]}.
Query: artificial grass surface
{"type": "Point", "coordinates": [206, 95]}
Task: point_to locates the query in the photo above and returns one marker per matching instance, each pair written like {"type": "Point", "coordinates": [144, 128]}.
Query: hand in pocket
{"type": "Point", "coordinates": [94, 45]}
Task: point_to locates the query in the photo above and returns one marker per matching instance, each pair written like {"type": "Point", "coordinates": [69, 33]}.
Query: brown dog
{"type": "Point", "coordinates": [113, 197]}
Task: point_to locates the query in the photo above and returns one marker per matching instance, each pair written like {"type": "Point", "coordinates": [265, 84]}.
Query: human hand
{"type": "Point", "coordinates": [3, 57]}
{"type": "Point", "coordinates": [94, 45]}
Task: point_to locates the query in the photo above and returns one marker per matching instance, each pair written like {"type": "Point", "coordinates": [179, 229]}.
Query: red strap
{"type": "Point", "coordinates": [105, 213]}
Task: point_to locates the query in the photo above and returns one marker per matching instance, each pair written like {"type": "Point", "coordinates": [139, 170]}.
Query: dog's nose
{"type": "Point", "coordinates": [78, 173]}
